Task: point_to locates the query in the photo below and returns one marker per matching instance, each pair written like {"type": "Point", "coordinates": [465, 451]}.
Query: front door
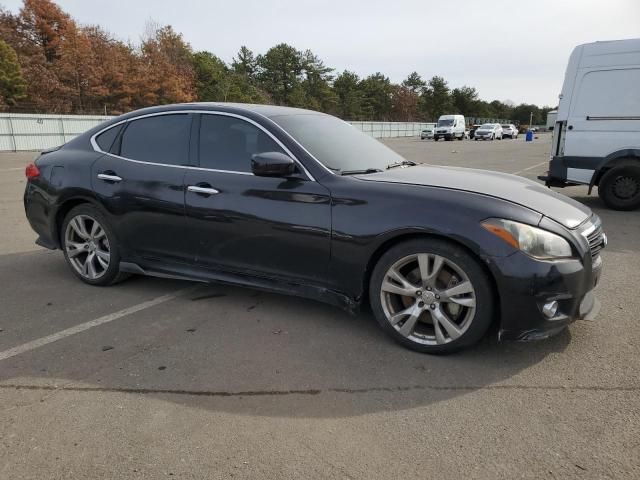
{"type": "Point", "coordinates": [278, 227]}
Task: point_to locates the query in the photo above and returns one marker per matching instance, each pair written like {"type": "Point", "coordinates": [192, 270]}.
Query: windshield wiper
{"type": "Point", "coordinates": [363, 171]}
{"type": "Point", "coordinates": [407, 163]}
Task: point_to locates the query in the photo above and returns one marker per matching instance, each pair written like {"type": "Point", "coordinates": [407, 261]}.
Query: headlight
{"type": "Point", "coordinates": [533, 241]}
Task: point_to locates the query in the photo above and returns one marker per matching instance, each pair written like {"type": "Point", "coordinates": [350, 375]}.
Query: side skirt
{"type": "Point", "coordinates": [266, 284]}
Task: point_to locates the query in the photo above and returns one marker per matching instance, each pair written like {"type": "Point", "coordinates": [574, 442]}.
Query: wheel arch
{"type": "Point", "coordinates": [628, 156]}
{"type": "Point", "coordinates": [403, 236]}
{"type": "Point", "coordinates": [65, 207]}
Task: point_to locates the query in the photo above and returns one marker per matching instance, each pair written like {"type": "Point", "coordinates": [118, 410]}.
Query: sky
{"type": "Point", "coordinates": [508, 49]}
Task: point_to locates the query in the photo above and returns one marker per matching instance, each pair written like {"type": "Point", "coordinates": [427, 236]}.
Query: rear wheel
{"type": "Point", "coordinates": [90, 247]}
{"type": "Point", "coordinates": [619, 188]}
{"type": "Point", "coordinates": [431, 296]}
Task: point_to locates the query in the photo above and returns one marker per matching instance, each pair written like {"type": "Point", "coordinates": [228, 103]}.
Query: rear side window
{"type": "Point", "coordinates": [160, 139]}
{"type": "Point", "coordinates": [227, 143]}
{"type": "Point", "coordinates": [105, 139]}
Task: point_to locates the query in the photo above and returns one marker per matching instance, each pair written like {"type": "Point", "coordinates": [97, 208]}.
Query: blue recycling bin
{"type": "Point", "coordinates": [529, 137]}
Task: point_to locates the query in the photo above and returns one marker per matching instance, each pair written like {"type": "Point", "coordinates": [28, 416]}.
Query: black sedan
{"type": "Point", "coordinates": [299, 202]}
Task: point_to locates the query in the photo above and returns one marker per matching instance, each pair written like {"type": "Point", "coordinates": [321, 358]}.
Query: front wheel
{"type": "Point", "coordinates": [431, 296]}
{"type": "Point", "coordinates": [619, 188]}
{"type": "Point", "coordinates": [90, 247]}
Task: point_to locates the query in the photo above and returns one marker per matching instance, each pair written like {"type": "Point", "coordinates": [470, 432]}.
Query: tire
{"type": "Point", "coordinates": [461, 326]}
{"type": "Point", "coordinates": [493, 137]}
{"type": "Point", "coordinates": [619, 187]}
{"type": "Point", "coordinates": [435, 139]}
{"type": "Point", "coordinates": [461, 137]}
{"type": "Point", "coordinates": [79, 240]}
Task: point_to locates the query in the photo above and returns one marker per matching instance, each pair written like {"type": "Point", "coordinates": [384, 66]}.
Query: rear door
{"type": "Point", "coordinates": [141, 183]}
{"type": "Point", "coordinates": [278, 227]}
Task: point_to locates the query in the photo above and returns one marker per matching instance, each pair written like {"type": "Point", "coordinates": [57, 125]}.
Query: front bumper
{"type": "Point", "coordinates": [526, 285]}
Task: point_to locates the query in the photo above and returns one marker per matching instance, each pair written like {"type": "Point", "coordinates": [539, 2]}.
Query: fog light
{"type": "Point", "coordinates": [550, 309]}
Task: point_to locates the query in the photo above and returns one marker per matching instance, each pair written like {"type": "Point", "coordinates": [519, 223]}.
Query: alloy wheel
{"type": "Point", "coordinates": [87, 247]}
{"type": "Point", "coordinates": [428, 299]}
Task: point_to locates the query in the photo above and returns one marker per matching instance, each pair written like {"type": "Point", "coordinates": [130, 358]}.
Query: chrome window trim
{"type": "Point", "coordinates": [96, 147]}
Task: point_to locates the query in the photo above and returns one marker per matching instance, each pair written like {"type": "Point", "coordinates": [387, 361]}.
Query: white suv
{"type": "Point", "coordinates": [488, 131]}
{"type": "Point", "coordinates": [510, 130]}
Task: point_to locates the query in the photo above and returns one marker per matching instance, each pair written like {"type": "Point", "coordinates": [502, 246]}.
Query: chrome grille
{"type": "Point", "coordinates": [596, 238]}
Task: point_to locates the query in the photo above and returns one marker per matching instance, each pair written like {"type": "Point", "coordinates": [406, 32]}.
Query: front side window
{"type": "Point", "coordinates": [158, 139]}
{"type": "Point", "coordinates": [227, 143]}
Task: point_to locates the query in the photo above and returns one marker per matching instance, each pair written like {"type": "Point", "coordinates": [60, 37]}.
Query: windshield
{"type": "Point", "coordinates": [487, 126]}
{"type": "Point", "coordinates": [336, 144]}
{"type": "Point", "coordinates": [445, 123]}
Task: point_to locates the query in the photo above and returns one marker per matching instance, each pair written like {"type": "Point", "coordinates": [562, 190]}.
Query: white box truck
{"type": "Point", "coordinates": [450, 127]}
{"type": "Point", "coordinates": [596, 136]}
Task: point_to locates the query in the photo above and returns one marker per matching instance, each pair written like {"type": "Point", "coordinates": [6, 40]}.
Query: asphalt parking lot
{"type": "Point", "coordinates": [165, 379]}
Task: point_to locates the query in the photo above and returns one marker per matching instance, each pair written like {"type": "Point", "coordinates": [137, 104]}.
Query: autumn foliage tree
{"type": "Point", "coordinates": [12, 85]}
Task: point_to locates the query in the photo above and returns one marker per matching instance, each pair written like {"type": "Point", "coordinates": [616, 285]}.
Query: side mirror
{"type": "Point", "coordinates": [272, 164]}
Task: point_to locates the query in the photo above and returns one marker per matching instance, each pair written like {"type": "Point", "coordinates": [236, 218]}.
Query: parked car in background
{"type": "Point", "coordinates": [489, 131]}
{"type": "Point", "coordinates": [450, 127]}
{"type": "Point", "coordinates": [596, 138]}
{"type": "Point", "coordinates": [300, 202]}
{"type": "Point", "coordinates": [509, 130]}
{"type": "Point", "coordinates": [428, 131]}
{"type": "Point", "coordinates": [472, 130]}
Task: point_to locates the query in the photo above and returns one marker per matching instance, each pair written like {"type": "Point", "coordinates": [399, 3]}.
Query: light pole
{"type": "Point", "coordinates": [530, 120]}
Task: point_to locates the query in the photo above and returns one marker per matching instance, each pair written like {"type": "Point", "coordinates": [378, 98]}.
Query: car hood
{"type": "Point", "coordinates": [512, 188]}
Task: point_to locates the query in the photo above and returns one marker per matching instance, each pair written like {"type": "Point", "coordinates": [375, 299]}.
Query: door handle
{"type": "Point", "coordinates": [202, 190]}
{"type": "Point", "coordinates": [109, 178]}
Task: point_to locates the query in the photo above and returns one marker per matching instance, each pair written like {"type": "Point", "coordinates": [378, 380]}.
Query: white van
{"type": "Point", "coordinates": [450, 127]}
{"type": "Point", "coordinates": [596, 137]}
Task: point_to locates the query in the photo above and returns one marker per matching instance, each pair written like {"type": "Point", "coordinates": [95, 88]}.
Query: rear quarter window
{"type": "Point", "coordinates": [106, 139]}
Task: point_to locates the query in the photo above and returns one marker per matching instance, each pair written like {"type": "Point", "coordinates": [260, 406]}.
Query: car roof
{"type": "Point", "coordinates": [245, 109]}
{"type": "Point", "coordinates": [261, 109]}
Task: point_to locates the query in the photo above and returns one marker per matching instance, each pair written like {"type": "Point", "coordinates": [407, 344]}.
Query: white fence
{"type": "Point", "coordinates": [391, 129]}
{"type": "Point", "coordinates": [36, 132]}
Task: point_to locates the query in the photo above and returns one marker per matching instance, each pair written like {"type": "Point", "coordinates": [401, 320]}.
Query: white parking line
{"type": "Point", "coordinates": [40, 342]}
{"type": "Point", "coordinates": [529, 168]}
{"type": "Point", "coordinates": [14, 169]}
